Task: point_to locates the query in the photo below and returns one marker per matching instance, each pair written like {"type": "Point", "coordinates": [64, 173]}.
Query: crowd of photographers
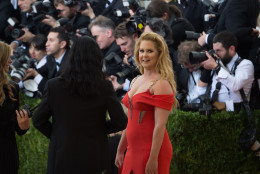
{"type": "Point", "coordinates": [214, 46]}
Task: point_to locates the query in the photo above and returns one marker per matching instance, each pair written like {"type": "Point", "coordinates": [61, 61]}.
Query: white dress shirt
{"type": "Point", "coordinates": [193, 87]}
{"type": "Point", "coordinates": [230, 84]}
{"type": "Point", "coordinates": [42, 62]}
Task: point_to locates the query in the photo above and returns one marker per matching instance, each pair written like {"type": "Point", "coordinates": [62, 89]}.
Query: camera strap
{"type": "Point", "coordinates": [242, 92]}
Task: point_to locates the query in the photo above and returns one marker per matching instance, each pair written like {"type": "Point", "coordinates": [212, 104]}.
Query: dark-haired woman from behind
{"type": "Point", "coordinates": [78, 101]}
{"type": "Point", "coordinates": [11, 120]}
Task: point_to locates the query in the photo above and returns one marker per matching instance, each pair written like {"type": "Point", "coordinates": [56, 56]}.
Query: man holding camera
{"type": "Point", "coordinates": [230, 72]}
{"type": "Point", "coordinates": [239, 17]}
{"type": "Point", "coordinates": [189, 75]}
{"type": "Point", "coordinates": [31, 27]}
{"type": "Point", "coordinates": [102, 29]}
{"type": "Point", "coordinates": [67, 9]}
{"type": "Point", "coordinates": [126, 38]}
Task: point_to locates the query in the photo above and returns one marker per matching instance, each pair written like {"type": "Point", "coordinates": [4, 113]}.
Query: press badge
{"type": "Point", "coordinates": [229, 105]}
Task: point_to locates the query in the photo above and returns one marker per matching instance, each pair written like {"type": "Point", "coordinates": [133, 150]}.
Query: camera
{"type": "Point", "coordinates": [15, 28]}
{"type": "Point", "coordinates": [201, 104]}
{"type": "Point", "coordinates": [211, 5]}
{"type": "Point", "coordinates": [131, 4]}
{"type": "Point", "coordinates": [121, 13]}
{"type": "Point", "coordinates": [42, 8]}
{"type": "Point", "coordinates": [181, 97]}
{"type": "Point", "coordinates": [28, 110]}
{"type": "Point", "coordinates": [198, 57]}
{"type": "Point", "coordinates": [128, 71]}
{"type": "Point", "coordinates": [84, 32]}
{"type": "Point", "coordinates": [191, 35]}
{"type": "Point", "coordinates": [82, 4]}
{"type": "Point", "coordinates": [20, 65]}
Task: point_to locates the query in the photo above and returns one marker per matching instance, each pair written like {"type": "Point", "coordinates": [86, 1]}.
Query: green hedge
{"type": "Point", "coordinates": [201, 144]}
{"type": "Point", "coordinates": [206, 145]}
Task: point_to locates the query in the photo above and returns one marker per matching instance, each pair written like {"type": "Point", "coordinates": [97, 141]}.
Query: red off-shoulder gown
{"type": "Point", "coordinates": [139, 132]}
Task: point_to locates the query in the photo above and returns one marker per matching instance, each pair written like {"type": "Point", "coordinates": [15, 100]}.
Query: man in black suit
{"type": "Point", "coordinates": [57, 48]}
{"type": "Point", "coordinates": [44, 63]}
{"type": "Point", "coordinates": [102, 29]}
{"type": "Point", "coordinates": [6, 11]}
{"type": "Point", "coordinates": [31, 27]}
{"type": "Point", "coordinates": [76, 19]}
{"type": "Point", "coordinates": [239, 17]}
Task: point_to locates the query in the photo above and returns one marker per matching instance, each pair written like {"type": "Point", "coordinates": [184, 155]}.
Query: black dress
{"type": "Point", "coordinates": [9, 159]}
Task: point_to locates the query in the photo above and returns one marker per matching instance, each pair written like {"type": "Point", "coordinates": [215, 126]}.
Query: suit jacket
{"type": "Point", "coordinates": [78, 22]}
{"type": "Point", "coordinates": [34, 27]}
{"type": "Point", "coordinates": [45, 71]}
{"type": "Point", "coordinates": [111, 66]}
{"type": "Point", "coordinates": [179, 26]}
{"type": "Point", "coordinates": [108, 12]}
{"type": "Point", "coordinates": [236, 16]}
{"type": "Point", "coordinates": [6, 11]}
{"type": "Point", "coordinates": [78, 131]}
{"type": "Point", "coordinates": [52, 70]}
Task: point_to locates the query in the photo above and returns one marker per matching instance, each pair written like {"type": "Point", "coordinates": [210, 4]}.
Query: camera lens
{"type": "Point", "coordinates": [16, 33]}
{"type": "Point", "coordinates": [197, 57]}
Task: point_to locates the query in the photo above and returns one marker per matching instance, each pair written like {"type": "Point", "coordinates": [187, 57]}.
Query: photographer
{"type": "Point", "coordinates": [189, 74]}
{"type": "Point", "coordinates": [68, 10]}
{"type": "Point", "coordinates": [225, 86]}
{"type": "Point", "coordinates": [31, 28]}
{"type": "Point", "coordinates": [102, 29]}
{"type": "Point", "coordinates": [239, 17]}
{"type": "Point", "coordinates": [44, 63]}
{"type": "Point", "coordinates": [6, 11]}
{"type": "Point", "coordinates": [126, 36]}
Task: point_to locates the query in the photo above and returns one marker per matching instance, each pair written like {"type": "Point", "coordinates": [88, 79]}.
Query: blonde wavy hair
{"type": "Point", "coordinates": [5, 52]}
{"type": "Point", "coordinates": [164, 64]}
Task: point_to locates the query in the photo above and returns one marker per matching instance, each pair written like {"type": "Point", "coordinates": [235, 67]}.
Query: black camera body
{"type": "Point", "coordinates": [201, 104]}
{"type": "Point", "coordinates": [128, 71]}
{"type": "Point", "coordinates": [198, 57]}
{"type": "Point", "coordinates": [15, 28]}
{"type": "Point", "coordinates": [82, 4]}
{"type": "Point", "coordinates": [20, 65]}
{"type": "Point", "coordinates": [191, 35]}
{"type": "Point", "coordinates": [42, 8]}
{"type": "Point", "coordinates": [85, 32]}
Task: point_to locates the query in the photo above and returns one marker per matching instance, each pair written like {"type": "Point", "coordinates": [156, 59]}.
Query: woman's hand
{"type": "Point", "coordinates": [119, 159]}
{"type": "Point", "coordinates": [23, 119]}
{"type": "Point", "coordinates": [151, 166]}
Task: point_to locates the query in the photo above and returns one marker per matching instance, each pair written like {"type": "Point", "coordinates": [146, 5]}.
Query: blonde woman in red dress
{"type": "Point", "coordinates": [149, 102]}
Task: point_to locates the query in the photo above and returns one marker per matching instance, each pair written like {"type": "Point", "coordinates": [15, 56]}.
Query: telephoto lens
{"type": "Point", "coordinates": [191, 35]}
{"type": "Point", "coordinates": [198, 57]}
